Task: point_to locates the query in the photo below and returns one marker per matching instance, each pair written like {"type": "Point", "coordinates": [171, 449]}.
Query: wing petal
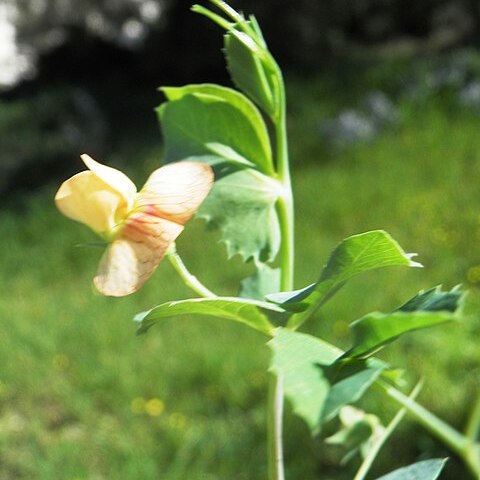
{"type": "Point", "coordinates": [175, 191]}
{"type": "Point", "coordinates": [131, 259]}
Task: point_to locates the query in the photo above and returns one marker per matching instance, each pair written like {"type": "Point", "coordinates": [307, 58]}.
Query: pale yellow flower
{"type": "Point", "coordinates": [140, 226]}
{"type": "Point", "coordinates": [100, 197]}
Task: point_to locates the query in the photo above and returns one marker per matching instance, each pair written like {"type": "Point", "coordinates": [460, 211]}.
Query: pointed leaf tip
{"type": "Point", "coordinates": [425, 470]}
{"type": "Point", "coordinates": [426, 309]}
{"type": "Point", "coordinates": [352, 256]}
{"type": "Point", "coordinates": [413, 263]}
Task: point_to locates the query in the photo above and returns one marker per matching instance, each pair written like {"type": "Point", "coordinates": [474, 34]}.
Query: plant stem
{"type": "Point", "coordinates": [284, 208]}
{"type": "Point", "coordinates": [472, 459]}
{"type": "Point", "coordinates": [461, 445]}
{"type": "Point", "coordinates": [275, 419]}
{"type": "Point", "coordinates": [285, 202]}
{"type": "Point", "coordinates": [444, 432]}
{"type": "Point", "coordinates": [473, 425]}
{"type": "Point", "coordinates": [373, 451]}
{"type": "Point", "coordinates": [228, 10]}
{"type": "Point", "coordinates": [212, 16]}
{"type": "Point", "coordinates": [190, 280]}
{"type": "Point", "coordinates": [472, 432]}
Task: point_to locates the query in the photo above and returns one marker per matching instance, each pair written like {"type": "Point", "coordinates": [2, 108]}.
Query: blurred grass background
{"type": "Point", "coordinates": [383, 127]}
{"type": "Point", "coordinates": [82, 397]}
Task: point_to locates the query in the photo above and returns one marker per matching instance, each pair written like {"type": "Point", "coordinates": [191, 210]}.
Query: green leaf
{"type": "Point", "coordinates": [253, 313]}
{"type": "Point", "coordinates": [252, 73]}
{"type": "Point", "coordinates": [296, 357]}
{"type": "Point", "coordinates": [355, 380]}
{"type": "Point", "coordinates": [294, 301]}
{"type": "Point", "coordinates": [354, 255]}
{"type": "Point", "coordinates": [242, 205]}
{"type": "Point", "coordinates": [222, 127]}
{"type": "Point", "coordinates": [317, 385]}
{"type": "Point", "coordinates": [434, 300]}
{"type": "Point", "coordinates": [265, 280]}
{"type": "Point", "coordinates": [209, 119]}
{"type": "Point", "coordinates": [358, 434]}
{"type": "Point", "coordinates": [252, 67]}
{"type": "Point", "coordinates": [352, 437]}
{"type": "Point", "coordinates": [426, 470]}
{"type": "Point", "coordinates": [427, 309]}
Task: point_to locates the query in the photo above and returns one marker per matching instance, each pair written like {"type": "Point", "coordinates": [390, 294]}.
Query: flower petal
{"type": "Point", "coordinates": [175, 191]}
{"type": "Point", "coordinates": [131, 258]}
{"type": "Point", "coordinates": [116, 179]}
{"type": "Point", "coordinates": [169, 198]}
{"type": "Point", "coordinates": [86, 198]}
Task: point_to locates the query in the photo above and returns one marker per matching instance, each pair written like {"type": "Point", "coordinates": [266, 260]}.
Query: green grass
{"type": "Point", "coordinates": [82, 397]}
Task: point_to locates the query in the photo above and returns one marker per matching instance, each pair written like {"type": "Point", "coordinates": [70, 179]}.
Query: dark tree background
{"type": "Point", "coordinates": [303, 33]}
{"type": "Point", "coordinates": [88, 70]}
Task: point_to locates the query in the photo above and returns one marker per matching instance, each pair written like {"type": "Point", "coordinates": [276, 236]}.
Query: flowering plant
{"type": "Point", "coordinates": [240, 135]}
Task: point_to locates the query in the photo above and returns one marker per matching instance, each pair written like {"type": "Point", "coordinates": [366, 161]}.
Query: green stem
{"type": "Point", "coordinates": [472, 459]}
{"type": "Point", "coordinates": [444, 432]}
{"type": "Point", "coordinates": [373, 452]}
{"type": "Point", "coordinates": [225, 24]}
{"type": "Point", "coordinates": [284, 205]}
{"type": "Point", "coordinates": [284, 208]}
{"type": "Point", "coordinates": [473, 424]}
{"type": "Point", "coordinates": [275, 419]}
{"type": "Point", "coordinates": [190, 280]}
{"type": "Point", "coordinates": [244, 33]}
{"type": "Point", "coordinates": [281, 132]}
{"type": "Point", "coordinates": [461, 445]}
{"type": "Point", "coordinates": [472, 432]}
{"type": "Point", "coordinates": [229, 11]}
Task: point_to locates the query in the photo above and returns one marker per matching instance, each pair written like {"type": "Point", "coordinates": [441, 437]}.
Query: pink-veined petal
{"type": "Point", "coordinates": [175, 191]}
{"type": "Point", "coordinates": [131, 258]}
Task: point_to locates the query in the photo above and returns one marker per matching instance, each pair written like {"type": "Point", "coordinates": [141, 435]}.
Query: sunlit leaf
{"type": "Point", "coordinates": [427, 309]}
{"type": "Point", "coordinates": [426, 470]}
{"type": "Point", "coordinates": [354, 255]}
{"type": "Point", "coordinates": [250, 312]}
{"type": "Point", "coordinates": [315, 384]}
{"type": "Point", "coordinates": [242, 206]}
{"type": "Point", "coordinates": [209, 119]}
{"type": "Point", "coordinates": [251, 73]}
{"type": "Point", "coordinates": [222, 127]}
{"type": "Point", "coordinates": [296, 356]}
